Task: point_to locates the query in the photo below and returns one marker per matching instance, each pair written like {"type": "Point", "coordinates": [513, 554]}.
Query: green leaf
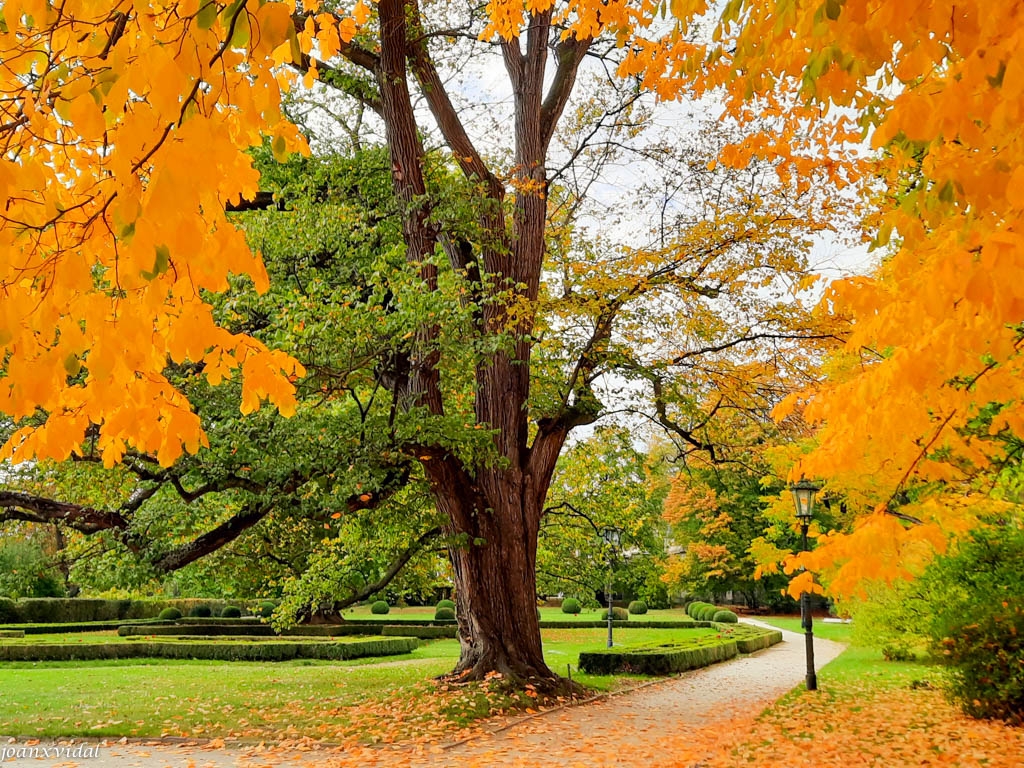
{"type": "Point", "coordinates": [207, 15]}
{"type": "Point", "coordinates": [160, 263]}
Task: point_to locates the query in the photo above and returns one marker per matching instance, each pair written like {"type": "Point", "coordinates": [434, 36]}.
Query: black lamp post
{"type": "Point", "coordinates": [803, 496]}
{"type": "Point", "coordinates": [611, 538]}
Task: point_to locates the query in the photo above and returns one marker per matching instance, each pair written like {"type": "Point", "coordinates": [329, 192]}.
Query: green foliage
{"type": "Point", "coordinates": [380, 607]}
{"type": "Point", "coordinates": [446, 604]}
{"type": "Point", "coordinates": [253, 630]}
{"type": "Point", "coordinates": [707, 613]}
{"type": "Point", "coordinates": [444, 614]}
{"type": "Point", "coordinates": [663, 658]}
{"type": "Point", "coordinates": [618, 614]}
{"type": "Point", "coordinates": [231, 612]}
{"type": "Point", "coordinates": [216, 651]}
{"type": "Point", "coordinates": [26, 571]}
{"type": "Point", "coordinates": [201, 611]}
{"type": "Point", "coordinates": [638, 607]}
{"type": "Point", "coordinates": [693, 609]}
{"type": "Point", "coordinates": [976, 598]}
{"type": "Point", "coordinates": [571, 605]}
{"type": "Point", "coordinates": [265, 609]}
{"type": "Point", "coordinates": [169, 614]}
{"type": "Point", "coordinates": [725, 617]}
{"type": "Point", "coordinates": [9, 611]}
{"type": "Point", "coordinates": [423, 633]}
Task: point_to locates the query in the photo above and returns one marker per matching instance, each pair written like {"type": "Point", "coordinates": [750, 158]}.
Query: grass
{"type": "Point", "coordinates": [841, 633]}
{"type": "Point", "coordinates": [369, 699]}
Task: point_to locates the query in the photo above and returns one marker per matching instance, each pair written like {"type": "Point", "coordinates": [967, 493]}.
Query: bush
{"type": "Point", "coordinates": [725, 617]}
{"type": "Point", "coordinates": [231, 612]}
{"type": "Point", "coordinates": [266, 609]}
{"type": "Point", "coordinates": [618, 614]}
{"type": "Point", "coordinates": [380, 608]}
{"type": "Point", "coordinates": [976, 597]}
{"type": "Point", "coordinates": [638, 608]}
{"type": "Point", "coordinates": [444, 614]}
{"type": "Point", "coordinates": [571, 605]}
{"type": "Point", "coordinates": [9, 611]}
{"type": "Point", "coordinates": [218, 651]}
{"type": "Point", "coordinates": [446, 604]}
{"type": "Point", "coordinates": [201, 612]}
{"type": "Point", "coordinates": [169, 614]}
{"type": "Point", "coordinates": [707, 613]}
{"type": "Point", "coordinates": [694, 607]}
{"type": "Point", "coordinates": [664, 659]}
{"type": "Point", "coordinates": [424, 633]}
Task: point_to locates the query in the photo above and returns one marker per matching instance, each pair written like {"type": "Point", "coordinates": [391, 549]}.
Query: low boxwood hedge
{"type": "Point", "coordinates": [89, 626]}
{"type": "Point", "coordinates": [423, 633]}
{"type": "Point", "coordinates": [252, 630]}
{"type": "Point", "coordinates": [214, 651]}
{"type": "Point", "coordinates": [670, 658]}
{"type": "Point", "coordinates": [77, 610]}
{"type": "Point", "coordinates": [660, 659]}
{"type": "Point", "coordinates": [556, 624]}
{"type": "Point", "coordinates": [9, 633]}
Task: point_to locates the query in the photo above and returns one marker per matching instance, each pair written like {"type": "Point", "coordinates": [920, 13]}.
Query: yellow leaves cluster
{"type": "Point", "coordinates": [123, 138]}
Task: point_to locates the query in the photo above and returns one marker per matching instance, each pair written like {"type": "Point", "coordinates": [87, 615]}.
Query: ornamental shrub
{"type": "Point", "coordinates": [976, 596]}
{"type": "Point", "coordinates": [638, 608]}
{"type": "Point", "coordinates": [446, 604]}
{"type": "Point", "coordinates": [265, 609]}
{"type": "Point", "coordinates": [693, 609]}
{"type": "Point", "coordinates": [726, 617]}
{"type": "Point", "coordinates": [201, 612]}
{"type": "Point", "coordinates": [231, 612]}
{"type": "Point", "coordinates": [571, 605]}
{"type": "Point", "coordinates": [380, 608]}
{"type": "Point", "coordinates": [707, 613]}
{"type": "Point", "coordinates": [169, 614]}
{"type": "Point", "coordinates": [618, 614]}
{"type": "Point", "coordinates": [444, 614]}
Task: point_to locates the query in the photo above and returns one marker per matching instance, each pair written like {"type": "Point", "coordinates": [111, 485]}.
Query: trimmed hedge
{"type": "Point", "coordinates": [555, 624]}
{"type": "Point", "coordinates": [444, 614]}
{"type": "Point", "coordinates": [662, 659]}
{"type": "Point", "coordinates": [9, 633]}
{"type": "Point", "coordinates": [91, 626]}
{"type": "Point", "coordinates": [445, 604]}
{"type": "Point", "coordinates": [169, 614]}
{"type": "Point", "coordinates": [228, 621]}
{"type": "Point", "coordinates": [332, 630]}
{"type": "Point", "coordinates": [252, 630]}
{"type": "Point", "coordinates": [423, 633]}
{"type": "Point", "coordinates": [618, 614]}
{"type": "Point", "coordinates": [669, 658]}
{"type": "Point", "coordinates": [637, 608]}
{"type": "Point", "coordinates": [725, 617]}
{"type": "Point", "coordinates": [75, 610]}
{"type": "Point", "coordinates": [231, 612]}
{"type": "Point", "coordinates": [571, 605]}
{"type": "Point", "coordinates": [224, 651]}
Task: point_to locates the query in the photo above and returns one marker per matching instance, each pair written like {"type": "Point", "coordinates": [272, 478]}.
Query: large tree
{"type": "Point", "coordinates": [123, 132]}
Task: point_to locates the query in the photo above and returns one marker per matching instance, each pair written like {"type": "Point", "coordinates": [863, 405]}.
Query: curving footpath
{"type": "Point", "coordinates": [634, 728]}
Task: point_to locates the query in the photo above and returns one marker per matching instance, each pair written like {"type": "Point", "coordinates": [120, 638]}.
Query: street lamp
{"type": "Point", "coordinates": [803, 497]}
{"type": "Point", "coordinates": [612, 537]}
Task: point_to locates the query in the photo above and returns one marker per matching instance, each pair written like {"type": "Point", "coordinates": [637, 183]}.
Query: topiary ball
{"type": "Point", "coordinates": [201, 612]}
{"type": "Point", "coordinates": [266, 609]}
{"type": "Point", "coordinates": [725, 617]}
{"type": "Point", "coordinates": [231, 612]}
{"type": "Point", "coordinates": [169, 614]}
{"type": "Point", "coordinates": [638, 608]}
{"type": "Point", "coordinates": [693, 609]}
{"type": "Point", "coordinates": [708, 613]}
{"type": "Point", "coordinates": [445, 604]}
{"type": "Point", "coordinates": [444, 614]}
{"type": "Point", "coordinates": [571, 605]}
{"type": "Point", "coordinates": [380, 607]}
{"type": "Point", "coordinates": [618, 614]}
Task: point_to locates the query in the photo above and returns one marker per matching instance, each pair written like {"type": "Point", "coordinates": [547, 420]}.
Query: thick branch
{"type": "Point", "coordinates": [36, 509]}
{"type": "Point", "coordinates": [393, 570]}
{"type": "Point", "coordinates": [569, 53]}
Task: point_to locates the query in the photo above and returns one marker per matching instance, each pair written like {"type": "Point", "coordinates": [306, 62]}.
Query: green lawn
{"type": "Point", "coordinates": [841, 633]}
{"type": "Point", "coordinates": [369, 698]}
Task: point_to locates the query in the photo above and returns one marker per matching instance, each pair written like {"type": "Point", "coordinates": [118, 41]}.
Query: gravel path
{"type": "Point", "coordinates": [617, 730]}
